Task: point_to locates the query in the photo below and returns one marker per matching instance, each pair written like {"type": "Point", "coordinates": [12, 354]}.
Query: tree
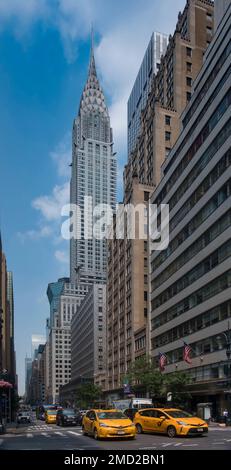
{"type": "Point", "coordinates": [87, 394]}
{"type": "Point", "coordinates": [177, 383]}
{"type": "Point", "coordinates": [143, 374]}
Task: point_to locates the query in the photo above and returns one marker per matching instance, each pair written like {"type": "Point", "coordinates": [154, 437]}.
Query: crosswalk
{"type": "Point", "coordinates": [45, 428]}
{"type": "Point", "coordinates": [52, 434]}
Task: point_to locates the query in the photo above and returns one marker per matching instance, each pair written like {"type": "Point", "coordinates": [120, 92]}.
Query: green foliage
{"type": "Point", "coordinates": [87, 395]}
{"type": "Point", "coordinates": [177, 383]}
{"type": "Point", "coordinates": [144, 375]}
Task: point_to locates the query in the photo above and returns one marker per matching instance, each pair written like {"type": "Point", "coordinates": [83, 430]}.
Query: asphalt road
{"type": "Point", "coordinates": [39, 436]}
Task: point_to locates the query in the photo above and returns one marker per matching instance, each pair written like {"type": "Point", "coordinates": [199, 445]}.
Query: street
{"type": "Point", "coordinates": [40, 436]}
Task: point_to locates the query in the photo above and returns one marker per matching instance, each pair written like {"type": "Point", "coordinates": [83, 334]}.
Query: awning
{"type": "Point", "coordinates": [4, 384]}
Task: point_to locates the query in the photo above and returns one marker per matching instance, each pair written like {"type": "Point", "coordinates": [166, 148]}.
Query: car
{"type": "Point", "coordinates": [170, 421]}
{"type": "Point", "coordinates": [50, 416]}
{"type": "Point", "coordinates": [130, 413]}
{"type": "Point", "coordinates": [108, 424]}
{"type": "Point", "coordinates": [68, 416]}
{"type": "Point", "coordinates": [23, 417]}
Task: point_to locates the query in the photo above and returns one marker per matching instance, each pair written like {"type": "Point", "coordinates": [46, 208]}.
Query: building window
{"type": "Point", "coordinates": [189, 51]}
{"type": "Point", "coordinates": [167, 151]}
{"type": "Point", "coordinates": [188, 96]}
{"type": "Point", "coordinates": [146, 195]}
{"type": "Point", "coordinates": [167, 120]}
{"type": "Point", "coordinates": [167, 136]}
{"type": "Point", "coordinates": [189, 67]}
{"type": "Point", "coordinates": [189, 81]}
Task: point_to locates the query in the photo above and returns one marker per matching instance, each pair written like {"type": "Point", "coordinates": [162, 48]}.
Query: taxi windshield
{"type": "Point", "coordinates": [111, 415]}
{"type": "Point", "coordinates": [52, 412]}
{"type": "Point", "coordinates": [179, 414]}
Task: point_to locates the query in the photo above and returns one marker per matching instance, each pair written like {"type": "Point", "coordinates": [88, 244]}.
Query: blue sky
{"type": "Point", "coordinates": [44, 53]}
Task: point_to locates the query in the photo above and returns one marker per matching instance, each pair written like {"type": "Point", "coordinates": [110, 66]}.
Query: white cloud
{"type": "Point", "coordinates": [43, 232]}
{"type": "Point", "coordinates": [50, 206]}
{"type": "Point", "coordinates": [22, 14]}
{"type": "Point", "coordinates": [124, 27]}
{"type": "Point", "coordinates": [62, 256]}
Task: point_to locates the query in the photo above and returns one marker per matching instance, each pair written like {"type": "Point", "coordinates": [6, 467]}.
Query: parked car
{"type": "Point", "coordinates": [68, 416]}
{"type": "Point", "coordinates": [130, 413]}
{"type": "Point", "coordinates": [108, 423]}
{"type": "Point", "coordinates": [170, 421]}
{"type": "Point", "coordinates": [23, 417]}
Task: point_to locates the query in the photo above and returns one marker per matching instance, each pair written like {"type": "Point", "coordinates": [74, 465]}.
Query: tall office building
{"type": "Point", "coordinates": [88, 335]}
{"type": "Point", "coordinates": [28, 372]}
{"type": "Point", "coordinates": [137, 100]}
{"type": "Point", "coordinates": [93, 175]}
{"type": "Point", "coordinates": [63, 306]}
{"type": "Point", "coordinates": [220, 7]}
{"type": "Point", "coordinates": [191, 279]}
{"type": "Point", "coordinates": [128, 308]}
{"type": "Point", "coordinates": [171, 91]}
{"type": "Point", "coordinates": [36, 340]}
{"type": "Point", "coordinates": [10, 298]}
{"type": "Point", "coordinates": [5, 317]}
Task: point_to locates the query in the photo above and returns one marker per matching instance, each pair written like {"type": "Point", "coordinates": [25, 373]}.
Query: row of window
{"type": "Point", "coordinates": [220, 62]}
{"type": "Point", "coordinates": [202, 163]}
{"type": "Point", "coordinates": [208, 291]}
{"type": "Point", "coordinates": [203, 187]}
{"type": "Point", "coordinates": [209, 263]}
{"type": "Point", "coordinates": [211, 234]}
{"type": "Point", "coordinates": [204, 320]}
{"type": "Point", "coordinates": [211, 206]}
{"type": "Point", "coordinates": [196, 145]}
{"type": "Point", "coordinates": [199, 348]}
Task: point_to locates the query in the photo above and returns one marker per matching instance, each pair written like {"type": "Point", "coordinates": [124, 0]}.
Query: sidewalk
{"type": "Point", "coordinates": [10, 428]}
{"type": "Point", "coordinates": [219, 425]}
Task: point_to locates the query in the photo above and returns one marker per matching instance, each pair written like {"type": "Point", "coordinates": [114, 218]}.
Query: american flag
{"type": "Point", "coordinates": [186, 353]}
{"type": "Point", "coordinates": [162, 361]}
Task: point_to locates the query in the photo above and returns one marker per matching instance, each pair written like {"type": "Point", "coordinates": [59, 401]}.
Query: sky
{"type": "Point", "coordinates": [44, 55]}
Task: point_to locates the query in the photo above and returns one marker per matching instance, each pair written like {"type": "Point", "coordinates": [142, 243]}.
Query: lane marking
{"type": "Point", "coordinates": [60, 433]}
{"type": "Point", "coordinates": [45, 434]}
{"type": "Point", "coordinates": [75, 433]}
{"type": "Point", "coordinates": [189, 445]}
{"type": "Point", "coordinates": [178, 444]}
{"type": "Point", "coordinates": [29, 435]}
{"type": "Point", "coordinates": [147, 448]}
{"type": "Point", "coordinates": [166, 444]}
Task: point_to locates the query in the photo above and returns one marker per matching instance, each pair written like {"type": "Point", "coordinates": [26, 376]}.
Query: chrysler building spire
{"type": "Point", "coordinates": [92, 68]}
{"type": "Point", "coordinates": [93, 100]}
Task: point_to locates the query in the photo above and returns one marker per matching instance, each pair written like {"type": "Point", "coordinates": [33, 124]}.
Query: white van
{"type": "Point", "coordinates": [137, 403]}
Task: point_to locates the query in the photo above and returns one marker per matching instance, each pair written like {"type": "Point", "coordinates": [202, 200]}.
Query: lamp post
{"type": "Point", "coordinates": [227, 336]}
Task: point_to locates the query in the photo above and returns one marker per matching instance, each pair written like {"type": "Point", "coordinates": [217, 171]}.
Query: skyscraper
{"type": "Point", "coordinates": [191, 280]}
{"type": "Point", "coordinates": [137, 100]}
{"type": "Point", "coordinates": [10, 298]}
{"type": "Point", "coordinates": [93, 175]}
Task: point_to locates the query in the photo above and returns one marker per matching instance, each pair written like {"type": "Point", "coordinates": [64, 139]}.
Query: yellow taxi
{"type": "Point", "coordinates": [108, 424]}
{"type": "Point", "coordinates": [50, 416]}
{"type": "Point", "coordinates": [170, 421]}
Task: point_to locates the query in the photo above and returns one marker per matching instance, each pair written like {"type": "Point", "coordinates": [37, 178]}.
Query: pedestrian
{"type": "Point", "coordinates": [225, 414]}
